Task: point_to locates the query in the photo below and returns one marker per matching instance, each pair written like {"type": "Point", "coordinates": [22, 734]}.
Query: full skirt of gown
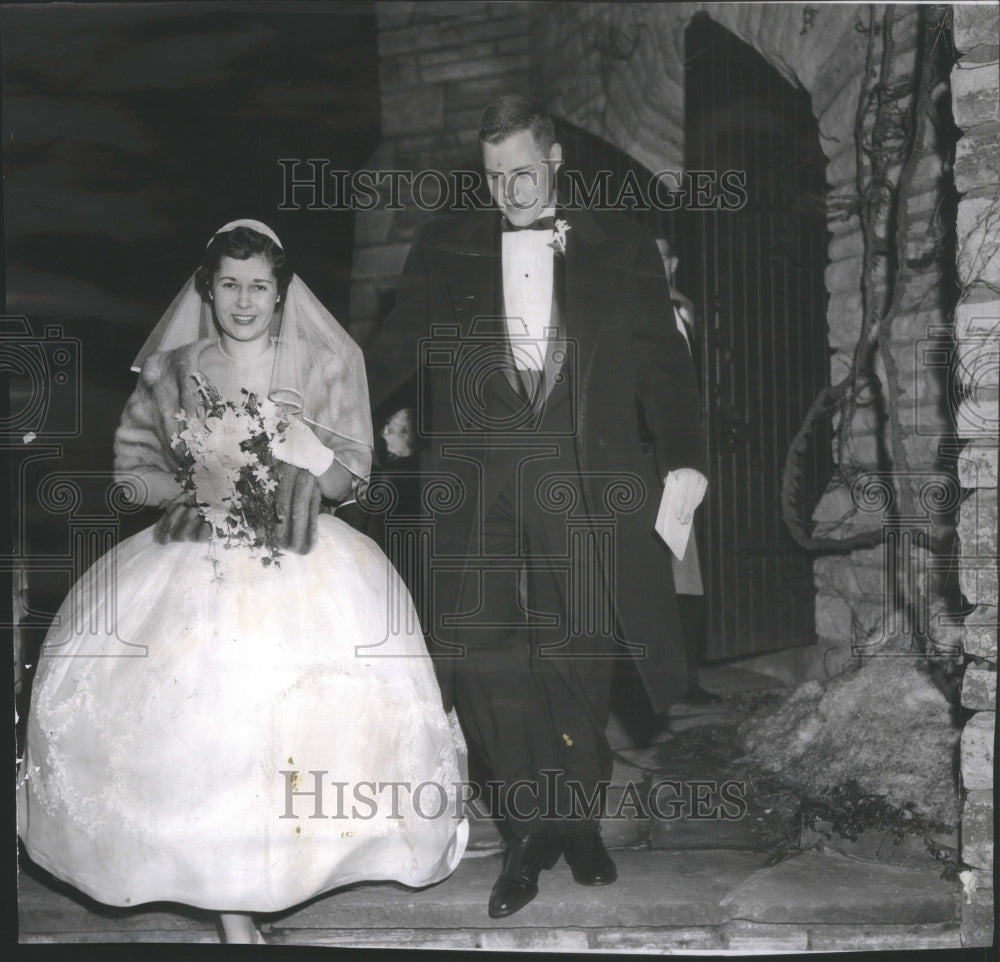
{"type": "Point", "coordinates": [226, 735]}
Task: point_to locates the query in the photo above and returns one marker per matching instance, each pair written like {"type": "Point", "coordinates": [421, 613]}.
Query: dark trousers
{"type": "Point", "coordinates": [692, 611]}
{"type": "Point", "coordinates": [532, 689]}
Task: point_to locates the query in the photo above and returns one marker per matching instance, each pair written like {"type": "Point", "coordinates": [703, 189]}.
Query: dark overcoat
{"type": "Point", "coordinates": [637, 413]}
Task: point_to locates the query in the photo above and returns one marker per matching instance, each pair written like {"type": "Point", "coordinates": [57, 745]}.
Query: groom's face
{"type": "Point", "coordinates": [521, 176]}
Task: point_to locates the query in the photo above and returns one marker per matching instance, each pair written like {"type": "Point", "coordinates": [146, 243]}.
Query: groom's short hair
{"type": "Point", "coordinates": [513, 113]}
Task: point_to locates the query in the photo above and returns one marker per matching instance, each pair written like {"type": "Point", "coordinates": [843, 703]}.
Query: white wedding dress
{"type": "Point", "coordinates": [186, 755]}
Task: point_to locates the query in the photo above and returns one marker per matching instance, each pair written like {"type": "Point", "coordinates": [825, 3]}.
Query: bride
{"type": "Point", "coordinates": [232, 742]}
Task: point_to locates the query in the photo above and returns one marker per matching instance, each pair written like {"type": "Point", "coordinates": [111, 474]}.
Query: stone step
{"type": "Point", "coordinates": [664, 901]}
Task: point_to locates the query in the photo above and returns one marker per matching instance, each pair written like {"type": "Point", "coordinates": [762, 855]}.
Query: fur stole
{"type": "Point", "coordinates": [142, 443]}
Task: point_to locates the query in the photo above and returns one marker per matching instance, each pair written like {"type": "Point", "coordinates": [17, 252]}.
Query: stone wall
{"type": "Point", "coordinates": [974, 86]}
{"type": "Point", "coordinates": [439, 65]}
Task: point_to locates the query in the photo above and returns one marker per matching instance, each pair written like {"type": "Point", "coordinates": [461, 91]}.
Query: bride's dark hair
{"type": "Point", "coordinates": [241, 243]}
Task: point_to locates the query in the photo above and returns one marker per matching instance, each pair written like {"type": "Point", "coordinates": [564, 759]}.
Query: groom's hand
{"type": "Point", "coordinates": [400, 435]}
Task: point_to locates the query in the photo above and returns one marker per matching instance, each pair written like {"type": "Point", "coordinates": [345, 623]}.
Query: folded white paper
{"type": "Point", "coordinates": [667, 526]}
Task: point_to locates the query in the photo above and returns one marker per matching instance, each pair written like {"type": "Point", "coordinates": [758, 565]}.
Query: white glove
{"type": "Point", "coordinates": [300, 446]}
{"type": "Point", "coordinates": [691, 486]}
{"type": "Point", "coordinates": [682, 493]}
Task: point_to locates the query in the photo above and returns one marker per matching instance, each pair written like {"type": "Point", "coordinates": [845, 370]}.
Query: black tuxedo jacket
{"type": "Point", "coordinates": [636, 405]}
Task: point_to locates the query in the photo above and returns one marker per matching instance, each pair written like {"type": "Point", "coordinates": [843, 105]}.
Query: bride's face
{"type": "Point", "coordinates": [244, 294]}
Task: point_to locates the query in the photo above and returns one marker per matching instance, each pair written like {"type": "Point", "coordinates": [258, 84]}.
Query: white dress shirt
{"type": "Point", "coordinates": [527, 294]}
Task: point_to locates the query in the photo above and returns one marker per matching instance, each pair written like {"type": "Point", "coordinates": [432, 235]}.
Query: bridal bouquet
{"type": "Point", "coordinates": [229, 468]}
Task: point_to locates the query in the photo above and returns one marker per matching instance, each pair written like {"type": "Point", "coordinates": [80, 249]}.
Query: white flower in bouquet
{"type": "Point", "coordinates": [229, 469]}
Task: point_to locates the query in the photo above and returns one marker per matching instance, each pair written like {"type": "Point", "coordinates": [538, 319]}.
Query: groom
{"type": "Point", "coordinates": [555, 400]}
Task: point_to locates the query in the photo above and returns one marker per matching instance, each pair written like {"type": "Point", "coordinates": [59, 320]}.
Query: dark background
{"type": "Point", "coordinates": [131, 132]}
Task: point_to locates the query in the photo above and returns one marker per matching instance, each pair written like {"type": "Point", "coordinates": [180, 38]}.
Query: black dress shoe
{"type": "Point", "coordinates": [518, 882]}
{"type": "Point", "coordinates": [588, 859]}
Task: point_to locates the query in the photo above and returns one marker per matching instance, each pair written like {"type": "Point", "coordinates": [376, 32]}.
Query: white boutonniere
{"type": "Point", "coordinates": [558, 242]}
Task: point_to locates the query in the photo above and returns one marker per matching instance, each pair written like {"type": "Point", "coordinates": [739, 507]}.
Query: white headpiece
{"type": "Point", "coordinates": [318, 371]}
{"type": "Point", "coordinates": [254, 225]}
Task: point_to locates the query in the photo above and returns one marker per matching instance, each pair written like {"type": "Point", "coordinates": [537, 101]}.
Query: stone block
{"type": "Point", "coordinates": [392, 14]}
{"type": "Point", "coordinates": [977, 465]}
{"type": "Point", "coordinates": [975, 24]}
{"type": "Point", "coordinates": [975, 155]}
{"type": "Point", "coordinates": [841, 173]}
{"type": "Point", "coordinates": [979, 688]}
{"type": "Point", "coordinates": [465, 119]}
{"type": "Point", "coordinates": [979, 633]}
{"type": "Point", "coordinates": [393, 939]}
{"type": "Point", "coordinates": [835, 99]}
{"type": "Point", "coordinates": [977, 525]}
{"type": "Point", "coordinates": [477, 93]}
{"type": "Point", "coordinates": [974, 91]}
{"type": "Point", "coordinates": [978, 416]}
{"type": "Point", "coordinates": [978, 910]}
{"type": "Point", "coordinates": [472, 51]}
{"type": "Point", "coordinates": [978, 829]}
{"type": "Point", "coordinates": [395, 72]}
{"type": "Point", "coordinates": [848, 244]}
{"type": "Point", "coordinates": [757, 937]}
{"type": "Point", "coordinates": [622, 828]}
{"type": "Point", "coordinates": [534, 940]}
{"type": "Point", "coordinates": [881, 938]}
{"type": "Point", "coordinates": [467, 69]}
{"type": "Point", "coordinates": [462, 32]}
{"type": "Point", "coordinates": [978, 251]}
{"type": "Point", "coordinates": [657, 941]}
{"type": "Point", "coordinates": [977, 580]}
{"type": "Point", "coordinates": [835, 617]}
{"type": "Point", "coordinates": [977, 362]}
{"type": "Point", "coordinates": [412, 111]}
{"type": "Point", "coordinates": [437, 10]}
{"type": "Point", "coordinates": [977, 319]}
{"type": "Point", "coordinates": [408, 39]}
{"type": "Point", "coordinates": [831, 889]}
{"type": "Point", "coordinates": [977, 751]}
{"type": "Point", "coordinates": [515, 44]}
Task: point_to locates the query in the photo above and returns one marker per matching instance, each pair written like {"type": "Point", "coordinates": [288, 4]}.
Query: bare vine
{"type": "Point", "coordinates": [889, 133]}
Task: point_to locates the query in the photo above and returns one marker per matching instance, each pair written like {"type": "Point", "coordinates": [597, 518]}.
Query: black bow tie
{"type": "Point", "coordinates": [543, 223]}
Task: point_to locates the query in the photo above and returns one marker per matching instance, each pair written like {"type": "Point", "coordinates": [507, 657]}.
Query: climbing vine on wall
{"type": "Point", "coordinates": [889, 133]}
